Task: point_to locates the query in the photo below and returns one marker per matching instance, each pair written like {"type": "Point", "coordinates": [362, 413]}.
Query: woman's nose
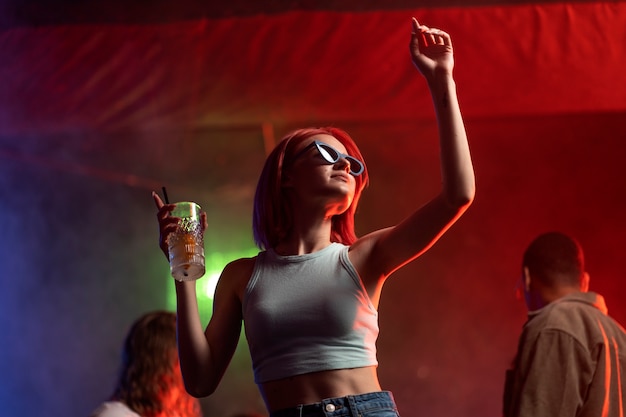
{"type": "Point", "coordinates": [343, 163]}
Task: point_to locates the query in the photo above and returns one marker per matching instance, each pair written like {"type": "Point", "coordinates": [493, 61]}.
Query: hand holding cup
{"type": "Point", "coordinates": [181, 238]}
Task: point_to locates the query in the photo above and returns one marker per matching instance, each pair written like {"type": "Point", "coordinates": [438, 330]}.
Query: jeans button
{"type": "Point", "coordinates": [330, 408]}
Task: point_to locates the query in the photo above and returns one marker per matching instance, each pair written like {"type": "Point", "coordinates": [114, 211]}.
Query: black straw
{"type": "Point", "coordinates": [167, 200]}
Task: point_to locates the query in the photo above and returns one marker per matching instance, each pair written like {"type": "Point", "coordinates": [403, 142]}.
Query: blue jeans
{"type": "Point", "coordinates": [373, 404]}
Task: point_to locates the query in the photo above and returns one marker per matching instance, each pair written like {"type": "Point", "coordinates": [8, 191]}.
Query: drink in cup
{"type": "Point", "coordinates": [186, 245]}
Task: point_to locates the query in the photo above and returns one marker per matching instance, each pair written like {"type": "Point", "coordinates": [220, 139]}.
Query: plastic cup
{"type": "Point", "coordinates": [186, 245]}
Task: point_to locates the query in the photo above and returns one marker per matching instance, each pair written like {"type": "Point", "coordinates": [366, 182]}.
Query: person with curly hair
{"type": "Point", "coordinates": [150, 383]}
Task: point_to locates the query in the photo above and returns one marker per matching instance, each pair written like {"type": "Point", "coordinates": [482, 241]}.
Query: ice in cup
{"type": "Point", "coordinates": [186, 245]}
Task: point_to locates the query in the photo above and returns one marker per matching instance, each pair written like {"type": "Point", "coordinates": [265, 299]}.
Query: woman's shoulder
{"type": "Point", "coordinates": [113, 409]}
{"type": "Point", "coordinates": [241, 264]}
{"type": "Point", "coordinates": [237, 273]}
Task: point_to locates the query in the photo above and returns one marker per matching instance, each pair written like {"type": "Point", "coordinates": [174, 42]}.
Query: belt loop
{"type": "Point", "coordinates": [300, 408]}
{"type": "Point", "coordinates": [354, 412]}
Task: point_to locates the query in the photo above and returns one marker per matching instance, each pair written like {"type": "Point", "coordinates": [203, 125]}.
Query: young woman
{"type": "Point", "coordinates": [309, 299]}
{"type": "Point", "coordinates": [150, 382]}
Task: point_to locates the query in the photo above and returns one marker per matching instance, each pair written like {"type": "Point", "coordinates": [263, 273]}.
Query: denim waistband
{"type": "Point", "coordinates": [350, 405]}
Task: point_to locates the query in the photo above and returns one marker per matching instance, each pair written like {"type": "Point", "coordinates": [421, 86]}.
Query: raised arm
{"type": "Point", "coordinates": [380, 253]}
{"type": "Point", "coordinates": [205, 355]}
{"type": "Point", "coordinates": [431, 51]}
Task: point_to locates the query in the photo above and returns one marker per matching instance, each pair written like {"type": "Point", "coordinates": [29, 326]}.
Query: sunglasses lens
{"type": "Point", "coordinates": [356, 167]}
{"type": "Point", "coordinates": [328, 153]}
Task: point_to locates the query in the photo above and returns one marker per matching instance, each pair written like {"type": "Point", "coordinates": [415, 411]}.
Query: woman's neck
{"type": "Point", "coordinates": [306, 236]}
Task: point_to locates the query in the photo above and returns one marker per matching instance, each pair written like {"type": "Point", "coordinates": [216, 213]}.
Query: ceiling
{"type": "Point", "coordinates": [120, 66]}
{"type": "Point", "coordinates": [56, 12]}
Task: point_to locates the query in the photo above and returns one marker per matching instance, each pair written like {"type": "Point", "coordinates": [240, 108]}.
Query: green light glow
{"type": "Point", "coordinates": [215, 263]}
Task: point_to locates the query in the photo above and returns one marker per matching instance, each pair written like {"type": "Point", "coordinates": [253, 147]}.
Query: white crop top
{"type": "Point", "coordinates": [308, 313]}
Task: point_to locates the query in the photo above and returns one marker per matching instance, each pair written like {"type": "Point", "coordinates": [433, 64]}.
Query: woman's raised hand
{"type": "Point", "coordinates": [431, 50]}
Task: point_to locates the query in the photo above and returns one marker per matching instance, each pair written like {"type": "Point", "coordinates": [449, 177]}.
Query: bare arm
{"type": "Point", "coordinates": [205, 355]}
{"type": "Point", "coordinates": [380, 253]}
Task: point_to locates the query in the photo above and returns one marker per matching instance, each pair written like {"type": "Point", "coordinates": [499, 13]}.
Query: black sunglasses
{"type": "Point", "coordinates": [332, 155]}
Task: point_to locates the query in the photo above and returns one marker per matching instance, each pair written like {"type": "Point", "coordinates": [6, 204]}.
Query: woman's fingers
{"type": "Point", "coordinates": [205, 222]}
{"type": "Point", "coordinates": [434, 36]}
{"type": "Point", "coordinates": [440, 37]}
{"type": "Point", "coordinates": [157, 200]}
{"type": "Point", "coordinates": [163, 209]}
{"type": "Point", "coordinates": [167, 223]}
{"type": "Point", "coordinates": [430, 36]}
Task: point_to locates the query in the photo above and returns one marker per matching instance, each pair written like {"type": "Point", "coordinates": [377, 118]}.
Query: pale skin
{"type": "Point", "coordinates": [318, 191]}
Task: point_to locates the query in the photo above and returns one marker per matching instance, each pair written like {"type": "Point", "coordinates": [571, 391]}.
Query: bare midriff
{"type": "Point", "coordinates": [316, 386]}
